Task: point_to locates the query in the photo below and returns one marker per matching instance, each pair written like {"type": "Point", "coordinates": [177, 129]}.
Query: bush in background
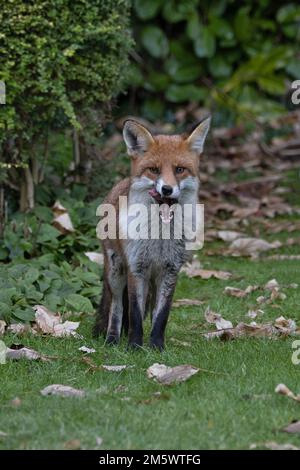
{"type": "Point", "coordinates": [240, 54]}
{"type": "Point", "coordinates": [63, 63]}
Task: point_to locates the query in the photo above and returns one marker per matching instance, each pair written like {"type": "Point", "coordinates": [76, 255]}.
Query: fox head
{"type": "Point", "coordinates": [165, 165]}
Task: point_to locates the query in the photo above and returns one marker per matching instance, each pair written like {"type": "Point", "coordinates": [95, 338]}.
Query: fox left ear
{"type": "Point", "coordinates": [197, 138]}
{"type": "Point", "coordinates": [137, 138]}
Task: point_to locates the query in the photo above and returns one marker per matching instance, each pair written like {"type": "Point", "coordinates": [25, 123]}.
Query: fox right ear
{"type": "Point", "coordinates": [137, 138]}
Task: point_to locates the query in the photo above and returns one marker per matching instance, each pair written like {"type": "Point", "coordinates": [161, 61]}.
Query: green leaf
{"type": "Point", "coordinates": [47, 233]}
{"type": "Point", "coordinates": [288, 13]}
{"type": "Point", "coordinates": [26, 315]}
{"type": "Point", "coordinates": [273, 85]}
{"type": "Point", "coordinates": [32, 275]}
{"type": "Point", "coordinates": [5, 311]}
{"type": "Point", "coordinates": [182, 72]}
{"type": "Point", "coordinates": [147, 9]}
{"type": "Point", "coordinates": [219, 67]}
{"type": "Point", "coordinates": [181, 93]}
{"type": "Point", "coordinates": [205, 44]}
{"type": "Point", "coordinates": [155, 41]}
{"type": "Point", "coordinates": [243, 27]}
{"type": "Point", "coordinates": [6, 295]}
{"type": "Point", "coordinates": [80, 303]}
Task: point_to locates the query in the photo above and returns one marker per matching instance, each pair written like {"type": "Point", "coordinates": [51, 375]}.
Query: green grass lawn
{"type": "Point", "coordinates": [232, 406]}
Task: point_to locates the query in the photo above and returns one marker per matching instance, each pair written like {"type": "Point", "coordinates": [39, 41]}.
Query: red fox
{"type": "Point", "coordinates": [142, 273]}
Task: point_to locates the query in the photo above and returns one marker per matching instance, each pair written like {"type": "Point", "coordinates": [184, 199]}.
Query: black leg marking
{"type": "Point", "coordinates": [157, 338]}
{"type": "Point", "coordinates": [102, 314]}
{"type": "Point", "coordinates": [135, 335]}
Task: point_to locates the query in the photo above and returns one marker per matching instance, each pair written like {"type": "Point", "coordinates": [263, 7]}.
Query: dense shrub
{"type": "Point", "coordinates": [238, 53]}
{"type": "Point", "coordinates": [62, 63]}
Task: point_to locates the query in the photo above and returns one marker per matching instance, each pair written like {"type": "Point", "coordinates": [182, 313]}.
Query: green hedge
{"type": "Point", "coordinates": [62, 62]}
{"type": "Point", "coordinates": [238, 53]}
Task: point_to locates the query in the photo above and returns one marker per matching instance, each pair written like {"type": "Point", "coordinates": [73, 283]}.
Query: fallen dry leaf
{"type": "Point", "coordinates": [182, 302]}
{"type": "Point", "coordinates": [282, 389]}
{"type": "Point", "coordinates": [285, 325]}
{"type": "Point", "coordinates": [272, 445]}
{"type": "Point", "coordinates": [17, 353]}
{"type": "Point", "coordinates": [115, 368]}
{"type": "Point", "coordinates": [87, 350]}
{"type": "Point", "coordinates": [16, 402]}
{"type": "Point", "coordinates": [207, 274]}
{"type": "Point", "coordinates": [63, 391]}
{"type": "Point", "coordinates": [229, 235]}
{"type": "Point", "coordinates": [272, 284]}
{"type": "Point", "coordinates": [268, 330]}
{"type": "Point", "coordinates": [95, 257]}
{"type": "Point", "coordinates": [166, 375]}
{"type": "Point", "coordinates": [62, 220]}
{"type": "Point", "coordinates": [217, 319]}
{"type": "Point", "coordinates": [293, 427]}
{"type": "Point", "coordinates": [251, 246]}
{"type": "Point", "coordinates": [2, 327]}
{"type": "Point", "coordinates": [99, 441]}
{"type": "Point", "coordinates": [63, 223]}
{"type": "Point", "coordinates": [20, 329]}
{"type": "Point", "coordinates": [73, 444]}
{"type": "Point", "coordinates": [240, 293]}
{"type": "Point", "coordinates": [50, 323]}
{"type": "Point", "coordinates": [254, 313]}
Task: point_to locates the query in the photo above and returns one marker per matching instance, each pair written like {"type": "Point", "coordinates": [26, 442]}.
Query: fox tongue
{"type": "Point", "coordinates": [166, 214]}
{"type": "Point", "coordinates": [154, 193]}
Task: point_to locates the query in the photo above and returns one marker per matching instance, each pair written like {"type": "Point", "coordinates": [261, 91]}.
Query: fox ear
{"type": "Point", "coordinates": [137, 138]}
{"type": "Point", "coordinates": [197, 138]}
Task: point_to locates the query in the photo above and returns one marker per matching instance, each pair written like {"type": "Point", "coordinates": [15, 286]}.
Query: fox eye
{"type": "Point", "coordinates": [179, 170]}
{"type": "Point", "coordinates": [154, 170]}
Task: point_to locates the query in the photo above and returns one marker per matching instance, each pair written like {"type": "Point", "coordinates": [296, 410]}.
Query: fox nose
{"type": "Point", "coordinates": [166, 190]}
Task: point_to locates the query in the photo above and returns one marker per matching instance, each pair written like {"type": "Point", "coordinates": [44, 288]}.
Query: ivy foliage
{"type": "Point", "coordinates": [41, 265]}
{"type": "Point", "coordinates": [238, 53]}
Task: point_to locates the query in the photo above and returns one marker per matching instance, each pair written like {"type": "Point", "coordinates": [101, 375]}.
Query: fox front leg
{"type": "Point", "coordinates": [164, 294]}
{"type": "Point", "coordinates": [137, 294]}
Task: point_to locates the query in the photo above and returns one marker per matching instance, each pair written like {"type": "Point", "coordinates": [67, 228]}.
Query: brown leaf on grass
{"type": "Point", "coordinates": [254, 313]}
{"type": "Point", "coordinates": [20, 352]}
{"type": "Point", "coordinates": [115, 368]}
{"type": "Point", "coordinates": [229, 235]}
{"type": "Point", "coordinates": [182, 302]}
{"type": "Point", "coordinates": [240, 293]}
{"type": "Point", "coordinates": [272, 284]}
{"type": "Point", "coordinates": [268, 330]}
{"type": "Point", "coordinates": [63, 391]}
{"type": "Point", "coordinates": [293, 427]}
{"type": "Point", "coordinates": [285, 325]}
{"type": "Point", "coordinates": [166, 375]}
{"type": "Point", "coordinates": [87, 350]}
{"type": "Point", "coordinates": [16, 402]}
{"type": "Point", "coordinates": [62, 220]}
{"type": "Point", "coordinates": [217, 319]}
{"type": "Point", "coordinates": [251, 246]}
{"type": "Point", "coordinates": [207, 273]}
{"type": "Point", "coordinates": [73, 444]}
{"type": "Point", "coordinates": [95, 257]}
{"type": "Point", "coordinates": [272, 445]}
{"type": "Point", "coordinates": [2, 327]}
{"type": "Point", "coordinates": [282, 389]}
{"type": "Point", "coordinates": [50, 323]}
{"type": "Point", "coordinates": [20, 329]}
